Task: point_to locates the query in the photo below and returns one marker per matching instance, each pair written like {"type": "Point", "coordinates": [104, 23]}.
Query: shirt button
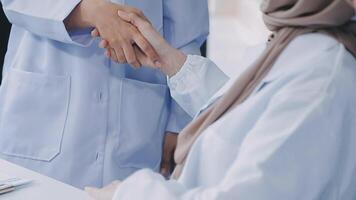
{"type": "Point", "coordinates": [99, 97]}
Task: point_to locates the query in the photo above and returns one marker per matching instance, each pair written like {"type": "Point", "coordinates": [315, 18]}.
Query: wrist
{"type": "Point", "coordinates": [87, 11]}
{"type": "Point", "coordinates": [81, 16]}
{"type": "Point", "coordinates": [173, 62]}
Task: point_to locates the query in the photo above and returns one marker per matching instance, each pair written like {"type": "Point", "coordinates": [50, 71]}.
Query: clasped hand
{"type": "Point", "coordinates": [136, 42]}
{"type": "Point", "coordinates": [127, 35]}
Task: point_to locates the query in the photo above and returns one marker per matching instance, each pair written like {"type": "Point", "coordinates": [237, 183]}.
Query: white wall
{"type": "Point", "coordinates": [235, 25]}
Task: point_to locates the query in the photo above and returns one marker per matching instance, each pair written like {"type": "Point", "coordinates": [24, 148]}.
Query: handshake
{"type": "Point", "coordinates": [127, 35]}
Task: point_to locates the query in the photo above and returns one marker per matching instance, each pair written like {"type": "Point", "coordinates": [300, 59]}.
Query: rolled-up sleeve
{"type": "Point", "coordinates": [186, 27]}
{"type": "Point", "coordinates": [196, 83]}
{"type": "Point", "coordinates": [44, 18]}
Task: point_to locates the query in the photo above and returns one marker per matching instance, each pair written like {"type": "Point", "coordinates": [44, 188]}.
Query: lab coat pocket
{"type": "Point", "coordinates": [32, 114]}
{"type": "Point", "coordinates": [143, 119]}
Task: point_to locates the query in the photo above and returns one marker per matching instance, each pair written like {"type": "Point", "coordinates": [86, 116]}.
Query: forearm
{"type": "Point", "coordinates": [173, 60]}
{"type": "Point", "coordinates": [44, 18]}
{"type": "Point", "coordinates": [81, 16]}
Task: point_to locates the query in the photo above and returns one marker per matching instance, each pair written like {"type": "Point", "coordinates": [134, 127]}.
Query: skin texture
{"type": "Point", "coordinates": [122, 36]}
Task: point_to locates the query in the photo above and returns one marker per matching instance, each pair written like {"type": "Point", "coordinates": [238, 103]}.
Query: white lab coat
{"type": "Point", "coordinates": [294, 138]}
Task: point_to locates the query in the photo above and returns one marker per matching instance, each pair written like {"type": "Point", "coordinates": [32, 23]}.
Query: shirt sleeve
{"type": "Point", "coordinates": [178, 15]}
{"type": "Point", "coordinates": [277, 160]}
{"type": "Point", "coordinates": [45, 18]}
{"type": "Point", "coordinates": [196, 83]}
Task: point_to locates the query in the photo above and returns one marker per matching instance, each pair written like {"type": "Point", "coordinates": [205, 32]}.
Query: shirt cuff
{"type": "Point", "coordinates": [80, 37]}
{"type": "Point", "coordinates": [196, 83]}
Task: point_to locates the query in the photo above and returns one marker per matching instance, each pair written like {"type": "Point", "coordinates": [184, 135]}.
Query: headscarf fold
{"type": "Point", "coordinates": [287, 19]}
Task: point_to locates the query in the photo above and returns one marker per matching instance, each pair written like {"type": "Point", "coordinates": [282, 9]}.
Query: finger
{"type": "Point", "coordinates": [130, 55]}
{"type": "Point", "coordinates": [146, 48]}
{"type": "Point", "coordinates": [144, 60]}
{"type": "Point", "coordinates": [108, 53]}
{"type": "Point", "coordinates": [135, 11]}
{"type": "Point", "coordinates": [103, 44]}
{"type": "Point", "coordinates": [134, 19]}
{"type": "Point", "coordinates": [95, 33]}
{"type": "Point", "coordinates": [113, 55]}
{"type": "Point", "coordinates": [120, 56]}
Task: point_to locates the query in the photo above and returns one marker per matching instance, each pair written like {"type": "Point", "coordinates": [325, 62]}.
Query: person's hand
{"type": "Point", "coordinates": [118, 33]}
{"type": "Point", "coordinates": [169, 146]}
{"type": "Point", "coordinates": [171, 59]}
{"type": "Point", "coordinates": [105, 193]}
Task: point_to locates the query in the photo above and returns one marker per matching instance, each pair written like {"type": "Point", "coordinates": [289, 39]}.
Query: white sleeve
{"type": "Point", "coordinates": [289, 154]}
{"type": "Point", "coordinates": [44, 18]}
{"type": "Point", "coordinates": [196, 83]}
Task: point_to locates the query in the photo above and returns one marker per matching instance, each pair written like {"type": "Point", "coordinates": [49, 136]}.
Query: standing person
{"type": "Point", "coordinates": [285, 128]}
{"type": "Point", "coordinates": [69, 112]}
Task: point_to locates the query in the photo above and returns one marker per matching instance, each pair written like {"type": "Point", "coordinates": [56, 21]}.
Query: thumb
{"type": "Point", "coordinates": [134, 19]}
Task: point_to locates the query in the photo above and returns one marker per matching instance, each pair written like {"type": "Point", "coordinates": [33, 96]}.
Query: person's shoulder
{"type": "Point", "coordinates": [311, 47]}
{"type": "Point", "coordinates": [310, 53]}
{"type": "Point", "coordinates": [316, 41]}
{"type": "Point", "coordinates": [315, 61]}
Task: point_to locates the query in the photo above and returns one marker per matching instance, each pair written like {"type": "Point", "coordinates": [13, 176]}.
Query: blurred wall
{"type": "Point", "coordinates": [4, 36]}
{"type": "Point", "coordinates": [235, 25]}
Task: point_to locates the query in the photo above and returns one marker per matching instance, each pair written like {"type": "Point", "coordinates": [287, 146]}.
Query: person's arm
{"type": "Point", "coordinates": [44, 18]}
{"type": "Point", "coordinates": [196, 83]}
{"type": "Point", "coordinates": [193, 80]}
{"type": "Point", "coordinates": [289, 154]}
{"type": "Point", "coordinates": [55, 19]}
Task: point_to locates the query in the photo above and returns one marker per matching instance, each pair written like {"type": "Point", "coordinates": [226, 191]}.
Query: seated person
{"type": "Point", "coordinates": [285, 128]}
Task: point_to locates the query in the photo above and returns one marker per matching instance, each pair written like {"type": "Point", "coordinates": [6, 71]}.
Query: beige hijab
{"type": "Point", "coordinates": [287, 19]}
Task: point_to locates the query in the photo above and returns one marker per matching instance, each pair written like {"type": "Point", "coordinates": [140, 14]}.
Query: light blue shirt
{"type": "Point", "coordinates": [68, 112]}
{"type": "Point", "coordinates": [293, 138]}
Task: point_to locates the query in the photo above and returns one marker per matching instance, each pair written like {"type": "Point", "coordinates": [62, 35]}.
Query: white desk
{"type": "Point", "coordinates": [43, 188]}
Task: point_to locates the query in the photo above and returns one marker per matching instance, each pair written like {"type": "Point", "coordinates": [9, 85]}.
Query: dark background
{"type": "Point", "coordinates": [4, 36]}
